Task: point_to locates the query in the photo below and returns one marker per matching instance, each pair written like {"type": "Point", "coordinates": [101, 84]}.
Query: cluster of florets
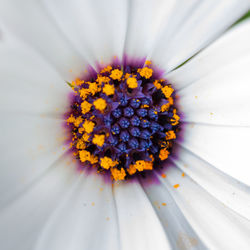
{"type": "Point", "coordinates": [123, 120]}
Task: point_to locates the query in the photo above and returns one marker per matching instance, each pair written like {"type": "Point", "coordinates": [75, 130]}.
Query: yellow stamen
{"type": "Point", "coordinates": [99, 140]}
{"type": "Point", "coordinates": [80, 144]}
{"type": "Point", "coordinates": [84, 155]}
{"type": "Point", "coordinates": [107, 69]}
{"type": "Point", "coordinates": [163, 154]}
{"type": "Point", "coordinates": [170, 135]}
{"type": "Point", "coordinates": [102, 79]}
{"type": "Point", "coordinates": [71, 119]}
{"type": "Point", "coordinates": [78, 121]}
{"type": "Point", "coordinates": [175, 119]}
{"type": "Point", "coordinates": [167, 91]}
{"type": "Point", "coordinates": [79, 82]}
{"type": "Point", "coordinates": [93, 88]}
{"type": "Point", "coordinates": [84, 93]}
{"type": "Point", "coordinates": [86, 106]}
{"type": "Point", "coordinates": [108, 89]}
{"type": "Point", "coordinates": [132, 169]}
{"type": "Point", "coordinates": [100, 104]}
{"type": "Point", "coordinates": [107, 162]}
{"type": "Point", "coordinates": [85, 137]}
{"type": "Point", "coordinates": [145, 72]}
{"type": "Point", "coordinates": [116, 74]}
{"type": "Point", "coordinates": [157, 84]}
{"type": "Point", "coordinates": [132, 83]}
{"type": "Point", "coordinates": [118, 174]}
{"type": "Point", "coordinates": [88, 126]}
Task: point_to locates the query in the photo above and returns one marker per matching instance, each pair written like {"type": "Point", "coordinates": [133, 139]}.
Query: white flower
{"type": "Point", "coordinates": [46, 205]}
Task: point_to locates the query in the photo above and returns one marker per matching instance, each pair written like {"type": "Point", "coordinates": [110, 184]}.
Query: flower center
{"type": "Point", "coordinates": [123, 120]}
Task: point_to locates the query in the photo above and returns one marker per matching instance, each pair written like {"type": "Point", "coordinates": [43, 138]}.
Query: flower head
{"type": "Point", "coordinates": [128, 129]}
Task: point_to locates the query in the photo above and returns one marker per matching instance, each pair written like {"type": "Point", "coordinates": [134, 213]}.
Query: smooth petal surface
{"type": "Point", "coordinates": [215, 103]}
{"type": "Point", "coordinates": [214, 86]}
{"type": "Point", "coordinates": [192, 26]}
{"type": "Point", "coordinates": [46, 204]}
{"type": "Point", "coordinates": [31, 23]}
{"type": "Point", "coordinates": [139, 226]}
{"type": "Point", "coordinates": [229, 191]}
{"type": "Point", "coordinates": [33, 98]}
{"type": "Point", "coordinates": [178, 230]}
{"type": "Point", "coordinates": [145, 20]}
{"type": "Point", "coordinates": [212, 221]}
{"type": "Point", "coordinates": [84, 219]}
{"type": "Point", "coordinates": [22, 220]}
{"type": "Point", "coordinates": [97, 29]}
{"type": "Point", "coordinates": [226, 148]}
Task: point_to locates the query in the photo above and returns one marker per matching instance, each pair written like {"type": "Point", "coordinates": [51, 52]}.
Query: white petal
{"type": "Point", "coordinates": [84, 219]}
{"type": "Point", "coordinates": [230, 47]}
{"type": "Point", "coordinates": [33, 98]}
{"type": "Point", "coordinates": [31, 23]}
{"type": "Point", "coordinates": [180, 233]}
{"type": "Point", "coordinates": [195, 29]}
{"type": "Point", "coordinates": [226, 148]}
{"type": "Point", "coordinates": [22, 219]}
{"type": "Point", "coordinates": [218, 93]}
{"type": "Point", "coordinates": [96, 28]}
{"type": "Point", "coordinates": [229, 191]}
{"type": "Point", "coordinates": [139, 226]}
{"type": "Point", "coordinates": [212, 221]}
{"type": "Point", "coordinates": [144, 22]}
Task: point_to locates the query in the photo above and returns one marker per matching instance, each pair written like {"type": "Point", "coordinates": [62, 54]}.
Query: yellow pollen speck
{"type": "Point", "coordinates": [163, 204]}
{"type": "Point", "coordinates": [163, 154]}
{"type": "Point", "coordinates": [176, 185]}
{"type": "Point", "coordinates": [145, 72]}
{"type": "Point", "coordinates": [170, 135]}
{"type": "Point", "coordinates": [107, 162]}
{"type": "Point", "coordinates": [116, 74]}
{"type": "Point", "coordinates": [167, 91]}
{"type": "Point", "coordinates": [132, 83]}
{"type": "Point", "coordinates": [148, 62]}
{"type": "Point", "coordinates": [100, 104]}
{"type": "Point", "coordinates": [108, 89]}
{"type": "Point", "coordinates": [118, 174]}
{"type": "Point", "coordinates": [92, 203]}
{"type": "Point", "coordinates": [86, 106]}
{"type": "Point", "coordinates": [183, 174]}
{"type": "Point", "coordinates": [99, 140]}
{"type": "Point", "coordinates": [88, 126]}
{"type": "Point", "coordinates": [163, 175]}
